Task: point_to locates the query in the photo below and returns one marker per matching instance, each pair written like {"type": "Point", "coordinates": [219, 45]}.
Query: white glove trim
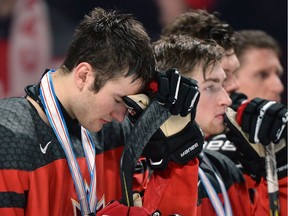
{"type": "Point", "coordinates": [193, 101]}
{"type": "Point", "coordinates": [231, 114]}
{"type": "Point", "coordinates": [155, 163]}
{"type": "Point", "coordinates": [284, 121]}
{"type": "Point", "coordinates": [177, 88]}
{"type": "Point", "coordinates": [260, 119]}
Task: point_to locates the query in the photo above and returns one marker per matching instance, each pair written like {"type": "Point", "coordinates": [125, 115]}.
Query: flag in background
{"type": "Point", "coordinates": [29, 45]}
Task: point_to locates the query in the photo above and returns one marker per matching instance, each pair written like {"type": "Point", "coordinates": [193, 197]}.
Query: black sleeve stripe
{"type": "Point", "coordinates": [12, 200]}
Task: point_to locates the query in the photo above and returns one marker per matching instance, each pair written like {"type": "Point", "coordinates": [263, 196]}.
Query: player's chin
{"type": "Point", "coordinates": [277, 99]}
{"type": "Point", "coordinates": [218, 128]}
{"type": "Point", "coordinates": [94, 127]}
{"type": "Point", "coordinates": [271, 97]}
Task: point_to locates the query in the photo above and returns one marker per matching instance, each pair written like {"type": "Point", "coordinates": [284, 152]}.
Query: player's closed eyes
{"type": "Point", "coordinates": [212, 88]}
{"type": "Point", "coordinates": [262, 75]}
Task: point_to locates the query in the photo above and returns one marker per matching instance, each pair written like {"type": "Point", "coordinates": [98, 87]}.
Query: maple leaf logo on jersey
{"type": "Point", "coordinates": [76, 205]}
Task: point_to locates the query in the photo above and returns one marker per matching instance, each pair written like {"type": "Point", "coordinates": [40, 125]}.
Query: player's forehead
{"type": "Point", "coordinates": [216, 74]}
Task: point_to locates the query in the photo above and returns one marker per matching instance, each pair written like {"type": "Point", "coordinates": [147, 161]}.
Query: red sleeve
{"type": "Point", "coordinates": [16, 182]}
{"type": "Point", "coordinates": [173, 190]}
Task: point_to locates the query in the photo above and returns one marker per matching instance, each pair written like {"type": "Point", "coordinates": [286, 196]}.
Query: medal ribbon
{"type": "Point", "coordinates": [216, 203]}
{"type": "Point", "coordinates": [55, 117]}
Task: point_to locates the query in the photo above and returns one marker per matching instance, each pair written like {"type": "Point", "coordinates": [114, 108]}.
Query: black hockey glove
{"type": "Point", "coordinates": [179, 138]}
{"type": "Point", "coordinates": [180, 94]}
{"type": "Point", "coordinates": [261, 122]}
{"type": "Point", "coordinates": [264, 121]}
{"type": "Point", "coordinates": [237, 100]}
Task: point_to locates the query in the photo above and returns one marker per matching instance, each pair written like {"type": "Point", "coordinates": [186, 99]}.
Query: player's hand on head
{"type": "Point", "coordinates": [180, 94]}
{"type": "Point", "coordinates": [179, 138]}
{"type": "Point", "coordinates": [136, 104]}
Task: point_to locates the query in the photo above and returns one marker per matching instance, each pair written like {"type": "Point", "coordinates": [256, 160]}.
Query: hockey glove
{"type": "Point", "coordinates": [251, 153]}
{"type": "Point", "coordinates": [237, 100]}
{"type": "Point", "coordinates": [180, 94]}
{"type": "Point", "coordinates": [265, 121]}
{"type": "Point", "coordinates": [178, 139]}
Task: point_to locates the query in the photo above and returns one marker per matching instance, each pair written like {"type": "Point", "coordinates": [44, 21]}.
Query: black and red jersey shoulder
{"type": "Point", "coordinates": [34, 175]}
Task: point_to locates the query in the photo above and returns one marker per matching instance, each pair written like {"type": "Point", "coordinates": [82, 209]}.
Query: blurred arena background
{"type": "Point", "coordinates": [34, 34]}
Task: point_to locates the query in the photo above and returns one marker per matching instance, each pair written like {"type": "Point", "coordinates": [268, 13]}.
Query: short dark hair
{"type": "Point", "coordinates": [184, 53]}
{"type": "Point", "coordinates": [111, 42]}
{"type": "Point", "coordinates": [203, 25]}
{"type": "Point", "coordinates": [252, 38]}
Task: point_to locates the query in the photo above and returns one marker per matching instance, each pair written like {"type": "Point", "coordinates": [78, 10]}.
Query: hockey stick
{"type": "Point", "coordinates": [272, 179]}
{"type": "Point", "coordinates": [148, 123]}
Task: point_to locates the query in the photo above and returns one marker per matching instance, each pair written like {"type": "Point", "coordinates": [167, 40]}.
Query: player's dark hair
{"type": "Point", "coordinates": [185, 53]}
{"type": "Point", "coordinates": [203, 25]}
{"type": "Point", "coordinates": [111, 42]}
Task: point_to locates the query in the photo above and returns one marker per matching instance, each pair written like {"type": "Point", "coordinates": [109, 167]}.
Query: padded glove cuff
{"type": "Point", "coordinates": [180, 147]}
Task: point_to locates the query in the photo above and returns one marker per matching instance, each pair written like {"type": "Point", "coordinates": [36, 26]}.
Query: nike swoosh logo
{"type": "Point", "coordinates": [43, 150]}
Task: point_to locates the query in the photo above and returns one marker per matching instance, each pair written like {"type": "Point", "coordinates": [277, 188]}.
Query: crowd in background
{"type": "Point", "coordinates": [35, 34]}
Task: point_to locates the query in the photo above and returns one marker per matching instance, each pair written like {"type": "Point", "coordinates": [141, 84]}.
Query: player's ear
{"type": "Point", "coordinates": [82, 73]}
